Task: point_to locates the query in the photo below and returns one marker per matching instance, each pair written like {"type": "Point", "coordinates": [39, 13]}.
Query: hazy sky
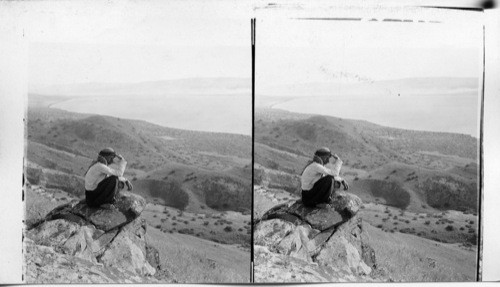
{"type": "Point", "coordinates": [126, 41]}
{"type": "Point", "coordinates": [300, 51]}
{"type": "Point", "coordinates": [55, 63]}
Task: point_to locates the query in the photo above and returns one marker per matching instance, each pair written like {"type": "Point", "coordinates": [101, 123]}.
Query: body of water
{"type": "Point", "coordinates": [228, 113]}
{"type": "Point", "coordinates": [456, 113]}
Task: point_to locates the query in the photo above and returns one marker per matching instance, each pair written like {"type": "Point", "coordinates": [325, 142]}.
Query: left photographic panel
{"type": "Point", "coordinates": [138, 145]}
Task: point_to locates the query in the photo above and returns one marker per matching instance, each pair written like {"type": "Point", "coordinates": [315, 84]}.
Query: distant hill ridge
{"type": "Point", "coordinates": [194, 85]}
{"type": "Point", "coordinates": [403, 85]}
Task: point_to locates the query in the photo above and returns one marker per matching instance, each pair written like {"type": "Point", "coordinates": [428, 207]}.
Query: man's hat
{"type": "Point", "coordinates": [324, 151]}
{"type": "Point", "coordinates": [107, 152]}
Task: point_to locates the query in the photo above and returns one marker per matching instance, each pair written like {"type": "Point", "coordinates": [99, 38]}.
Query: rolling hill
{"type": "Point", "coordinates": [420, 168]}
{"type": "Point", "coordinates": [67, 142]}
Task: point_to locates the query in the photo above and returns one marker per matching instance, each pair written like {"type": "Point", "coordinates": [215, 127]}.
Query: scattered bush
{"type": "Point", "coordinates": [449, 228]}
{"type": "Point", "coordinates": [228, 229]}
{"type": "Point", "coordinates": [427, 222]}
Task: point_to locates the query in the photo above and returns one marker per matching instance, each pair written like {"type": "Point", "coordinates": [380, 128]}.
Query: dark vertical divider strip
{"type": "Point", "coordinates": [252, 24]}
{"type": "Point", "coordinates": [481, 172]}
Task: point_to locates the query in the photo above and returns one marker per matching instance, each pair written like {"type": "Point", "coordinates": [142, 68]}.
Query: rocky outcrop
{"type": "Point", "coordinates": [295, 243]}
{"type": "Point", "coordinates": [107, 244]}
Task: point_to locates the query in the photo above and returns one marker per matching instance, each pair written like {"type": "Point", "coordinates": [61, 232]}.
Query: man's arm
{"type": "Point", "coordinates": [334, 172]}
{"type": "Point", "coordinates": [109, 171]}
{"type": "Point", "coordinates": [119, 165]}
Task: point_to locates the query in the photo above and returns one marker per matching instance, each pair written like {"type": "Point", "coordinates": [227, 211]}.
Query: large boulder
{"type": "Point", "coordinates": [319, 218]}
{"type": "Point", "coordinates": [128, 207]}
{"type": "Point", "coordinates": [128, 251]}
{"type": "Point", "coordinates": [329, 242]}
{"type": "Point", "coordinates": [45, 265]}
{"type": "Point", "coordinates": [346, 203]}
{"type": "Point", "coordinates": [109, 238]}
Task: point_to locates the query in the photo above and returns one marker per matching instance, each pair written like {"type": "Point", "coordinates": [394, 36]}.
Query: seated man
{"type": "Point", "coordinates": [317, 181]}
{"type": "Point", "coordinates": [103, 178]}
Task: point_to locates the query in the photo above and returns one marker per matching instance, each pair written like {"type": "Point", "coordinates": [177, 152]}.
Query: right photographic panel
{"type": "Point", "coordinates": [367, 136]}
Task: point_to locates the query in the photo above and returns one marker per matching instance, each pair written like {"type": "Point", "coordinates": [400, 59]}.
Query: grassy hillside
{"type": "Point", "coordinates": [404, 168]}
{"type": "Point", "coordinates": [145, 146]}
